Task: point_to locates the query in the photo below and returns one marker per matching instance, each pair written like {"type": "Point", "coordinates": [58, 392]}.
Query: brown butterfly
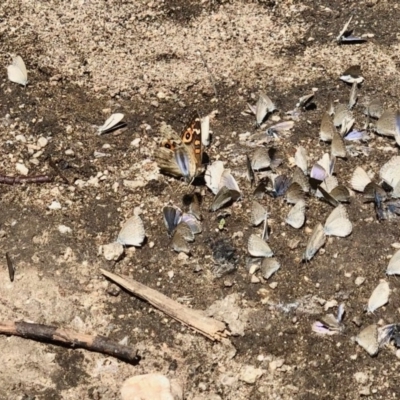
{"type": "Point", "coordinates": [181, 156]}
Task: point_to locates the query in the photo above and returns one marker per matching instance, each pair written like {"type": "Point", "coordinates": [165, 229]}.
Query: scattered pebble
{"type": "Point", "coordinates": [64, 229]}
{"type": "Point", "coordinates": [276, 364]}
{"type": "Point", "coordinates": [21, 169]}
{"type": "Point", "coordinates": [293, 244]}
{"type": "Point", "coordinates": [250, 374]}
{"type": "Point", "coordinates": [42, 142]}
{"type": "Point", "coordinates": [21, 138]}
{"type": "Point", "coordinates": [228, 282]}
{"type": "Point", "coordinates": [182, 256]}
{"type": "Point", "coordinates": [359, 280]}
{"type": "Point", "coordinates": [55, 205]}
{"type": "Point", "coordinates": [329, 304]}
{"type": "Point", "coordinates": [113, 289]}
{"type": "Point", "coordinates": [150, 387]}
{"type": "Point", "coordinates": [134, 184]}
{"type": "Point", "coordinates": [229, 311]}
{"type": "Point", "coordinates": [365, 391]}
{"type": "Point", "coordinates": [361, 378]}
{"type": "Point", "coordinates": [113, 251]}
{"type": "Point", "coordinates": [135, 143]}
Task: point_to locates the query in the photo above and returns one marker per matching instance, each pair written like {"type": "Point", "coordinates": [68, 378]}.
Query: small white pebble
{"type": "Point", "coordinates": [55, 205]}
{"type": "Point", "coordinates": [330, 304]}
{"type": "Point", "coordinates": [275, 118]}
{"type": "Point", "coordinates": [274, 365]}
{"type": "Point", "coordinates": [42, 142]}
{"type": "Point", "coordinates": [64, 229]}
{"type": "Point", "coordinates": [243, 136]}
{"type": "Point", "coordinates": [359, 280]}
{"type": "Point", "coordinates": [133, 184]}
{"type": "Point", "coordinates": [182, 256]}
{"type": "Point", "coordinates": [361, 378]}
{"type": "Point", "coordinates": [135, 143]}
{"type": "Point", "coordinates": [124, 341]}
{"type": "Point", "coordinates": [112, 251]}
{"type": "Point", "coordinates": [237, 235]}
{"type": "Point", "coordinates": [21, 138]}
{"type": "Point", "coordinates": [21, 168]}
{"type": "Point", "coordinates": [37, 154]}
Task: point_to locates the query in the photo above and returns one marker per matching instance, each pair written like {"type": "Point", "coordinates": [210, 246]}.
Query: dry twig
{"type": "Point", "coordinates": [68, 337]}
{"type": "Point", "coordinates": [196, 319]}
{"type": "Point", "coordinates": [14, 180]}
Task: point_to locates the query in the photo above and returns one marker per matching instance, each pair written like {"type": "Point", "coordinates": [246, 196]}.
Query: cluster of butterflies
{"type": "Point", "coordinates": [384, 195]}
{"type": "Point", "coordinates": [373, 337]}
{"type": "Point", "coordinates": [183, 156]}
{"type": "Point", "coordinates": [182, 227]}
{"type": "Point", "coordinates": [294, 189]}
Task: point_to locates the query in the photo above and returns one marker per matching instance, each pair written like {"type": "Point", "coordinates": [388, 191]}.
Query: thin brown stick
{"type": "Point", "coordinates": [68, 337]}
{"type": "Point", "coordinates": [196, 319]}
{"type": "Point", "coordinates": [10, 266]}
{"type": "Point", "coordinates": [15, 180]}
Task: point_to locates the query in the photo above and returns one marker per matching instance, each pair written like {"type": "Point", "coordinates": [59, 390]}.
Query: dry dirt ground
{"type": "Point", "coordinates": [88, 58]}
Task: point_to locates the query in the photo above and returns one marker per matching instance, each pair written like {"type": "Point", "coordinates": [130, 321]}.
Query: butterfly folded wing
{"type": "Point", "coordinates": [181, 156]}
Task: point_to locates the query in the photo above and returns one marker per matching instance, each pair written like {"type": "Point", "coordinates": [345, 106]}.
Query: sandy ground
{"type": "Point", "coordinates": [160, 61]}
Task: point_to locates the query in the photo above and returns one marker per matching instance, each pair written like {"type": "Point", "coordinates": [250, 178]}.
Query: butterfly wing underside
{"type": "Point", "coordinates": [181, 156]}
{"type": "Point", "coordinates": [191, 137]}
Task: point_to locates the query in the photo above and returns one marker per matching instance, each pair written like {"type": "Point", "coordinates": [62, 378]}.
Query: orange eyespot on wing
{"type": "Point", "coordinates": [191, 136]}
{"type": "Point", "coordinates": [168, 144]}
{"type": "Point", "coordinates": [188, 136]}
{"type": "Point", "coordinates": [192, 129]}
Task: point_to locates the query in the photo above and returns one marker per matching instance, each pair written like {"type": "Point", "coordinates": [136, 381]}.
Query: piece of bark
{"type": "Point", "coordinates": [196, 319]}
